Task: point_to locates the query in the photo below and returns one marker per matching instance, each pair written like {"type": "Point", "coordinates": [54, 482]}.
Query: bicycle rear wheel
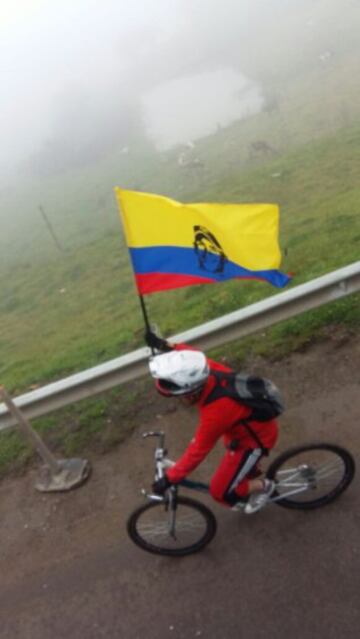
{"type": "Point", "coordinates": [311, 476]}
{"type": "Point", "coordinates": [158, 529]}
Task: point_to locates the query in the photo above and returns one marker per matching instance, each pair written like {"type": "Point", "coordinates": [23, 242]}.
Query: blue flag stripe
{"type": "Point", "coordinates": [185, 261]}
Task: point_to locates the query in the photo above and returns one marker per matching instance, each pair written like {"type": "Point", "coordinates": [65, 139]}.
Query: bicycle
{"type": "Point", "coordinates": [306, 477]}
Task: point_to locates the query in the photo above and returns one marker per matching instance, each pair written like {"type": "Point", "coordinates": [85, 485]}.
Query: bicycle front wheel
{"type": "Point", "coordinates": [158, 529]}
{"type": "Point", "coordinates": [311, 476]}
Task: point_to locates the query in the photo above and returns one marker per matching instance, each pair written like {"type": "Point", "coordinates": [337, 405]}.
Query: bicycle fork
{"type": "Point", "coordinates": [171, 506]}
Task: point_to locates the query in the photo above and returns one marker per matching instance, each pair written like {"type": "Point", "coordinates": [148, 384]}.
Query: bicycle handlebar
{"type": "Point", "coordinates": [153, 433]}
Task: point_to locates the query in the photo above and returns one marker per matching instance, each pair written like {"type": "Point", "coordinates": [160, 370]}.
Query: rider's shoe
{"type": "Point", "coordinates": [240, 505]}
{"type": "Point", "coordinates": [258, 500]}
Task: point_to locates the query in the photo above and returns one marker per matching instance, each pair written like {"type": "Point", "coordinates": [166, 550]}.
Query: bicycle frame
{"type": "Point", "coordinates": [162, 462]}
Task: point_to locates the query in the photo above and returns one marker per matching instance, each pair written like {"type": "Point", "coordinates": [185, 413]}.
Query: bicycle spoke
{"type": "Point", "coordinates": [163, 528]}
{"type": "Point", "coordinates": [290, 493]}
{"type": "Point", "coordinates": [292, 474]}
{"type": "Point", "coordinates": [286, 484]}
{"type": "Point", "coordinates": [328, 470]}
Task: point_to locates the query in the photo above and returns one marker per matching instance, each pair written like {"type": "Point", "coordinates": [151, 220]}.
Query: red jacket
{"type": "Point", "coordinates": [216, 420]}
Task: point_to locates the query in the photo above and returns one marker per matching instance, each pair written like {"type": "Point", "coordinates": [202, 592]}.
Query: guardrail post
{"type": "Point", "coordinates": [56, 474]}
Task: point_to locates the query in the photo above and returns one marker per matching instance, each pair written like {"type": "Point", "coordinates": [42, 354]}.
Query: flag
{"type": "Point", "coordinates": [173, 244]}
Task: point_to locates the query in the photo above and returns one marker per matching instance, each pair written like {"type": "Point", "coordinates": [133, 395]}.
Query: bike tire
{"type": "Point", "coordinates": [168, 546]}
{"type": "Point", "coordinates": [348, 472]}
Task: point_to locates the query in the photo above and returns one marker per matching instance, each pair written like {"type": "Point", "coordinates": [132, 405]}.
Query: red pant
{"type": "Point", "coordinates": [230, 483]}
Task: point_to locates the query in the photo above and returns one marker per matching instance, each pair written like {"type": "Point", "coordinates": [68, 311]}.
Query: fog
{"type": "Point", "coordinates": [79, 79]}
{"type": "Point", "coordinates": [170, 118]}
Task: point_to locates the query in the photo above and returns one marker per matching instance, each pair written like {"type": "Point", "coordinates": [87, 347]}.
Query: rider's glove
{"type": "Point", "coordinates": [161, 485]}
{"type": "Point", "coordinates": [159, 343]}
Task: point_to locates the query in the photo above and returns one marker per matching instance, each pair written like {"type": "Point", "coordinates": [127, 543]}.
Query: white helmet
{"type": "Point", "coordinates": [179, 372]}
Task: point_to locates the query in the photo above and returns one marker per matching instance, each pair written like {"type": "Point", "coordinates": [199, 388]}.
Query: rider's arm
{"type": "Point", "coordinates": [162, 345]}
{"type": "Point", "coordinates": [157, 343]}
{"type": "Point", "coordinates": [205, 438]}
{"type": "Point", "coordinates": [216, 419]}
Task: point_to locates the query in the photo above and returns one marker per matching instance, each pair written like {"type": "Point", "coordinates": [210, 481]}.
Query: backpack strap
{"type": "Point", "coordinates": [217, 392]}
{"type": "Point", "coordinates": [253, 434]}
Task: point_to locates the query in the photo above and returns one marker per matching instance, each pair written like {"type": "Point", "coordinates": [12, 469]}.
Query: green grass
{"type": "Point", "coordinates": [89, 427]}
{"type": "Point", "coordinates": [79, 309]}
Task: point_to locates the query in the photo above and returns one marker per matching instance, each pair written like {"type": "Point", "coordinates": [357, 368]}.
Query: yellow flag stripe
{"type": "Point", "coordinates": [246, 233]}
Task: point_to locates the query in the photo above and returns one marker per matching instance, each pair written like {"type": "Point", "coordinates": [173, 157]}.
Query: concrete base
{"type": "Point", "coordinates": [72, 473]}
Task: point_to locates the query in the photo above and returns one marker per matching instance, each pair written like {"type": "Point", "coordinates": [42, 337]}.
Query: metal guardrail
{"type": "Point", "coordinates": [227, 328]}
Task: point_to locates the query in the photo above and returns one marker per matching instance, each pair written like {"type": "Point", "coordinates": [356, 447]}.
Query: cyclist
{"type": "Point", "coordinates": [183, 372]}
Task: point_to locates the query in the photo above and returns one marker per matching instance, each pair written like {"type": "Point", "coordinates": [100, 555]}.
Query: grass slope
{"type": "Point", "coordinates": [80, 307]}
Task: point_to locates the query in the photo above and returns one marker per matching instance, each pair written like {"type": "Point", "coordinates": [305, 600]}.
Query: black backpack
{"type": "Point", "coordinates": [257, 393]}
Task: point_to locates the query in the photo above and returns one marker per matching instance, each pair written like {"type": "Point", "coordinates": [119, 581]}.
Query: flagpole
{"type": "Point", "coordinates": [146, 319]}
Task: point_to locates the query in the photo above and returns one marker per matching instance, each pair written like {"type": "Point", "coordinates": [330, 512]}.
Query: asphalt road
{"type": "Point", "coordinates": [69, 569]}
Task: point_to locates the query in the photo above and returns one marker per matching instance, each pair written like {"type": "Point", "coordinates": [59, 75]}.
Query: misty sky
{"type": "Point", "coordinates": [48, 50]}
{"type": "Point", "coordinates": [69, 66]}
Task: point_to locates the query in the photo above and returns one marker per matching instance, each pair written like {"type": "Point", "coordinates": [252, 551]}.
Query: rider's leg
{"type": "Point", "coordinates": [254, 485]}
{"type": "Point", "coordinates": [237, 476]}
{"type": "Point", "coordinates": [268, 433]}
{"type": "Point", "coordinates": [230, 482]}
{"type": "Point", "coordinates": [258, 498]}
{"type": "Point", "coordinates": [260, 490]}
